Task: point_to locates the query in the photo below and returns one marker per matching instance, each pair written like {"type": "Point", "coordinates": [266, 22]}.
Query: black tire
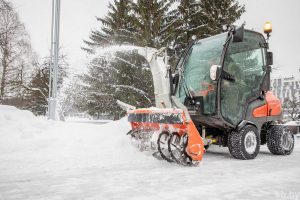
{"type": "Point", "coordinates": [276, 140]}
{"type": "Point", "coordinates": [244, 144]}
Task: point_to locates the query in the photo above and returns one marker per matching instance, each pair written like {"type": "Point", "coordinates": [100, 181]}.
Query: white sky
{"type": "Point", "coordinates": [78, 18]}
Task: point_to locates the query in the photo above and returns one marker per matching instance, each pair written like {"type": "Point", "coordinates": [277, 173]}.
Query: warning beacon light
{"type": "Point", "coordinates": [268, 28]}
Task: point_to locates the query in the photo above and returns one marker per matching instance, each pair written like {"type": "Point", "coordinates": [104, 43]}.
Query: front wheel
{"type": "Point", "coordinates": [244, 144]}
{"type": "Point", "coordinates": [280, 140]}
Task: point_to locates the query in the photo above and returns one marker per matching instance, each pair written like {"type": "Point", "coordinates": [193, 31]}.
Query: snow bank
{"type": "Point", "coordinates": [39, 145]}
{"type": "Point", "coordinates": [10, 113]}
{"type": "Point", "coordinates": [19, 124]}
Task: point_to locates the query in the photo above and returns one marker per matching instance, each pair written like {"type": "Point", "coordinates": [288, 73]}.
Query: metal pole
{"type": "Point", "coordinates": [51, 65]}
{"type": "Point", "coordinates": [53, 71]}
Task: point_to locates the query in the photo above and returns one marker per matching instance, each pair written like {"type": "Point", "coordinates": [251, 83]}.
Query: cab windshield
{"type": "Point", "coordinates": [195, 71]}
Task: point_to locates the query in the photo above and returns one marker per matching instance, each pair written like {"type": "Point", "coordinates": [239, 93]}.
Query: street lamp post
{"type": "Point", "coordinates": [54, 54]}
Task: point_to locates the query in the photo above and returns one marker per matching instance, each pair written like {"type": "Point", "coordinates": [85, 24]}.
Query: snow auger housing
{"type": "Point", "coordinates": [219, 94]}
{"type": "Point", "coordinates": [177, 136]}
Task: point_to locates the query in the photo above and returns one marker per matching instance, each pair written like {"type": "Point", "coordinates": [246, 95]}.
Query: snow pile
{"type": "Point", "coordinates": [12, 113]}
{"type": "Point", "coordinates": [32, 144]}
{"type": "Point", "coordinates": [19, 124]}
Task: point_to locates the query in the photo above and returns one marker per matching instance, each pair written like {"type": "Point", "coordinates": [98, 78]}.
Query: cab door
{"type": "Point", "coordinates": [244, 62]}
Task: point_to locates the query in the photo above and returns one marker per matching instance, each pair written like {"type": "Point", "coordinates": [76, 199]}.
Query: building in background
{"type": "Point", "coordinates": [287, 87]}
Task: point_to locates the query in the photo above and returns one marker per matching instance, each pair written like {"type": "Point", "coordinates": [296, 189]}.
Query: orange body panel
{"type": "Point", "coordinates": [195, 148]}
{"type": "Point", "coordinates": [271, 108]}
{"type": "Point", "coordinates": [261, 111]}
{"type": "Point", "coordinates": [274, 104]}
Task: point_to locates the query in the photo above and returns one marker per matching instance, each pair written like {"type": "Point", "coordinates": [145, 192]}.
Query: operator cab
{"type": "Point", "coordinates": [220, 76]}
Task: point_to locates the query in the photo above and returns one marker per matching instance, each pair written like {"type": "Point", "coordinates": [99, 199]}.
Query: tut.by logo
{"type": "Point", "coordinates": [290, 195]}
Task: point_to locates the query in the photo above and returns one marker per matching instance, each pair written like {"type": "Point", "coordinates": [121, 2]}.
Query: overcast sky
{"type": "Point", "coordinates": [78, 18]}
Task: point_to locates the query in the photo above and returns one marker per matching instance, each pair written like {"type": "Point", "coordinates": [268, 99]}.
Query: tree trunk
{"type": "Point", "coordinates": [3, 78]}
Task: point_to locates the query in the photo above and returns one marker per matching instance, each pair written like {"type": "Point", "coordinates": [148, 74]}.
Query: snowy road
{"type": "Point", "coordinates": [52, 160]}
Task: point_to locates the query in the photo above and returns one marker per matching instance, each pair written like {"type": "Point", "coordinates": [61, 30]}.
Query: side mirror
{"type": "Point", "coordinates": [238, 35]}
{"type": "Point", "coordinates": [215, 72]}
{"type": "Point", "coordinates": [269, 58]}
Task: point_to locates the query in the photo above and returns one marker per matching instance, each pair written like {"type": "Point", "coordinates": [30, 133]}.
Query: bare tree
{"type": "Point", "coordinates": [292, 107]}
{"type": "Point", "coordinates": [15, 52]}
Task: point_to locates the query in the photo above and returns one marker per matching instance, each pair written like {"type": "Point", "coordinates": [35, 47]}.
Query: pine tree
{"type": "Point", "coordinates": [200, 18]}
{"type": "Point", "coordinates": [109, 80]}
{"type": "Point", "coordinates": [38, 92]}
{"type": "Point", "coordinates": [116, 27]}
{"type": "Point", "coordinates": [125, 76]}
{"type": "Point", "coordinates": [217, 13]}
{"type": "Point", "coordinates": [150, 22]}
{"type": "Point", "coordinates": [183, 22]}
{"type": "Point", "coordinates": [187, 22]}
{"type": "Point", "coordinates": [38, 88]}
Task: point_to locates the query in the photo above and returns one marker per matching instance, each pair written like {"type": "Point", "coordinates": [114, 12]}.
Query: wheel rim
{"type": "Point", "coordinates": [176, 148]}
{"type": "Point", "coordinates": [250, 142]}
{"type": "Point", "coordinates": [163, 146]}
{"type": "Point", "coordinates": [287, 140]}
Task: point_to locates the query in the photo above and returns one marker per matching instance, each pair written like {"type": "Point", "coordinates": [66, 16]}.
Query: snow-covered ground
{"type": "Point", "coordinates": [42, 159]}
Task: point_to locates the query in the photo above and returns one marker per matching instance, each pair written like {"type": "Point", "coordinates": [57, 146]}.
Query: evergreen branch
{"type": "Point", "coordinates": [134, 89]}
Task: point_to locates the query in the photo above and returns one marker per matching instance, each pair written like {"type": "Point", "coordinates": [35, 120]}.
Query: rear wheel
{"type": "Point", "coordinates": [280, 140]}
{"type": "Point", "coordinates": [244, 144]}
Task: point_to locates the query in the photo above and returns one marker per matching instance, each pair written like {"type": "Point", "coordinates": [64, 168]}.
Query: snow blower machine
{"type": "Point", "coordinates": [219, 94]}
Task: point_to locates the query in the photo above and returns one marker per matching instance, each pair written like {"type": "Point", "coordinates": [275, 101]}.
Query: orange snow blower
{"type": "Point", "coordinates": [178, 138]}
{"type": "Point", "coordinates": [219, 94]}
